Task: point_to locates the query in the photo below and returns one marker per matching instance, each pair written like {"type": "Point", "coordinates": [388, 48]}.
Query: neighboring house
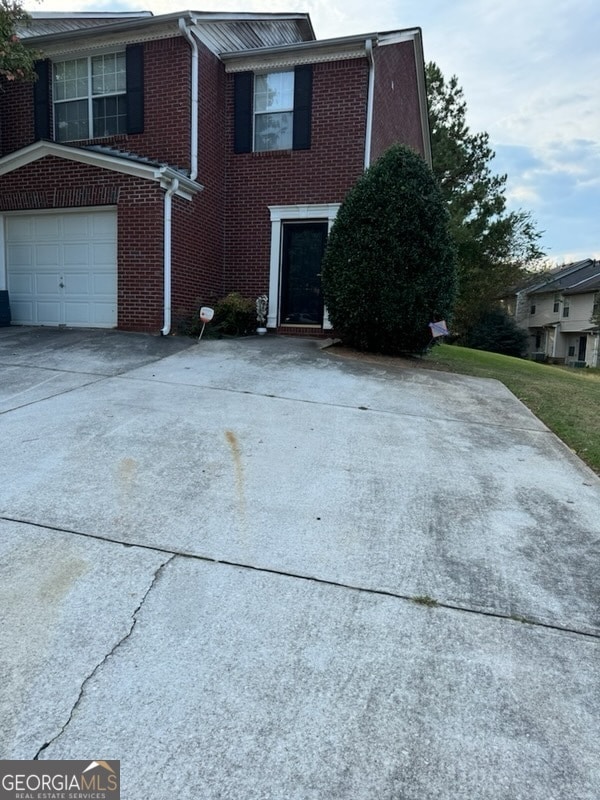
{"type": "Point", "coordinates": [557, 309]}
{"type": "Point", "coordinates": [159, 161]}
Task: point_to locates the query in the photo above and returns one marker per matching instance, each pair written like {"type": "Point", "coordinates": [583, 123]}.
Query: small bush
{"type": "Point", "coordinates": [497, 332]}
{"type": "Point", "coordinates": [235, 315]}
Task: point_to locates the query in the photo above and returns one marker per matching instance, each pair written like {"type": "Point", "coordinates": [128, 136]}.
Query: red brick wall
{"type": "Point", "coordinates": [166, 135]}
{"type": "Point", "coordinates": [322, 174]}
{"type": "Point", "coordinates": [16, 116]}
{"type": "Point", "coordinates": [396, 116]}
{"type": "Point", "coordinates": [198, 225]}
{"type": "Point", "coordinates": [54, 183]}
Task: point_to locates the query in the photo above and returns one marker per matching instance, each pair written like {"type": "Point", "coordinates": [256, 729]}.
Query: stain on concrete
{"type": "Point", "coordinates": [238, 465]}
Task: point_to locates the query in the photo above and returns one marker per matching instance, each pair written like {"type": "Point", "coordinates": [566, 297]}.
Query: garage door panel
{"type": "Point", "coordinates": [47, 283]}
{"type": "Point", "coordinates": [19, 228]}
{"type": "Point", "coordinates": [103, 254]}
{"type": "Point", "coordinates": [22, 310]}
{"type": "Point", "coordinates": [20, 283]}
{"type": "Point", "coordinates": [102, 313]}
{"type": "Point", "coordinates": [104, 225]}
{"type": "Point", "coordinates": [104, 285]}
{"type": "Point", "coordinates": [46, 226]}
{"type": "Point", "coordinates": [77, 254]}
{"type": "Point", "coordinates": [77, 283]}
{"type": "Point", "coordinates": [77, 226]}
{"type": "Point", "coordinates": [48, 313]}
{"type": "Point", "coordinates": [19, 255]}
{"type": "Point", "coordinates": [47, 255]}
{"type": "Point", "coordinates": [62, 268]}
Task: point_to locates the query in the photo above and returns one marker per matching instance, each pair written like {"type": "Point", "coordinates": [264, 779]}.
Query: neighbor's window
{"type": "Point", "coordinates": [273, 111]}
{"type": "Point", "coordinates": [556, 303]}
{"type": "Point", "coordinates": [565, 307]}
{"type": "Point", "coordinates": [532, 309]}
{"type": "Point", "coordinates": [89, 97]}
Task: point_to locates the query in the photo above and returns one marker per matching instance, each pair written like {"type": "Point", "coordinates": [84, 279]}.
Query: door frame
{"type": "Point", "coordinates": [318, 212]}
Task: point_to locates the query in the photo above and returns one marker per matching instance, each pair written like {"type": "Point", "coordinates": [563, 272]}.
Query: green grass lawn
{"type": "Point", "coordinates": [566, 400]}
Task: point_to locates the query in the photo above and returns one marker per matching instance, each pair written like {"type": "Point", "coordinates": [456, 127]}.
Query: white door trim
{"type": "Point", "coordinates": [318, 212]}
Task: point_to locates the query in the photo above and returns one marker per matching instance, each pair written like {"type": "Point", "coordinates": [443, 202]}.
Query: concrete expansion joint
{"type": "Point", "coordinates": [346, 406]}
{"type": "Point", "coordinates": [112, 651]}
{"type": "Point", "coordinates": [423, 600]}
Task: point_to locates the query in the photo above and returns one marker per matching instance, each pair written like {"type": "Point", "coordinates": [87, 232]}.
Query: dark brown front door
{"type": "Point", "coordinates": [303, 247]}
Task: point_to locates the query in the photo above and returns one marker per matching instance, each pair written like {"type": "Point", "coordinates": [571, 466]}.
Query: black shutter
{"type": "Point", "coordinates": [41, 101]}
{"type": "Point", "coordinates": [243, 86]}
{"type": "Point", "coordinates": [302, 106]}
{"type": "Point", "coordinates": [134, 65]}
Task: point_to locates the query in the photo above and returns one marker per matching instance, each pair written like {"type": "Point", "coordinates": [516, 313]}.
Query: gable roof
{"type": "Point", "coordinates": [105, 158]}
{"type": "Point", "coordinates": [220, 31]}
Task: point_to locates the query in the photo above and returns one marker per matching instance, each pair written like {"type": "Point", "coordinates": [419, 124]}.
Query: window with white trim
{"type": "Point", "coordinates": [273, 111]}
{"type": "Point", "coordinates": [89, 96]}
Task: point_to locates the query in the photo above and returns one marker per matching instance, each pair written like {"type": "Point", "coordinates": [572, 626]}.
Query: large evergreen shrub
{"type": "Point", "coordinates": [388, 269]}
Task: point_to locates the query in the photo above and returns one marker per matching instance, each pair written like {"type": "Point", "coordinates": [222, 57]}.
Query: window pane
{"type": "Point", "coordinates": [71, 121]}
{"type": "Point", "coordinates": [273, 131]}
{"type": "Point", "coordinates": [70, 79]}
{"type": "Point", "coordinates": [110, 115]}
{"type": "Point", "coordinates": [108, 74]}
{"type": "Point", "coordinates": [274, 92]}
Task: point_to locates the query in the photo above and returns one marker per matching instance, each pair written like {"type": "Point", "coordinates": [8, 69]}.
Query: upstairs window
{"type": "Point", "coordinates": [556, 305]}
{"type": "Point", "coordinates": [89, 97]}
{"type": "Point", "coordinates": [273, 111]}
{"type": "Point", "coordinates": [566, 307]}
{"type": "Point", "coordinates": [532, 308]}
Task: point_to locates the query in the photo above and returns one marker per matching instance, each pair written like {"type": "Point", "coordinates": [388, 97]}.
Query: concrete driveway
{"type": "Point", "coordinates": [250, 569]}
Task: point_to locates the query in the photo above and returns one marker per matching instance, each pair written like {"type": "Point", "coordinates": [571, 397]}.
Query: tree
{"type": "Point", "coordinates": [16, 60]}
{"type": "Point", "coordinates": [388, 269]}
{"type": "Point", "coordinates": [494, 246]}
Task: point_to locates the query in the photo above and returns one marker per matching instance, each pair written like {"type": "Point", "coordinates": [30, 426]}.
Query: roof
{"type": "Point", "coordinates": [589, 285]}
{"type": "Point", "coordinates": [567, 277]}
{"type": "Point", "coordinates": [220, 31]}
{"type": "Point", "coordinates": [105, 158]}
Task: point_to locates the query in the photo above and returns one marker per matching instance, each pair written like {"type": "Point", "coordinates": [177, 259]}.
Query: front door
{"type": "Point", "coordinates": [302, 251]}
{"type": "Point", "coordinates": [582, 344]}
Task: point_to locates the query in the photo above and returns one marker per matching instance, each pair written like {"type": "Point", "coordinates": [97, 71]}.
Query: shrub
{"type": "Point", "coordinates": [388, 268]}
{"type": "Point", "coordinates": [497, 332]}
{"type": "Point", "coordinates": [235, 315]}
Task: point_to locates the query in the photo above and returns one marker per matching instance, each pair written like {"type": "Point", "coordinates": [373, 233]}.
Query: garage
{"type": "Point", "coordinates": [62, 268]}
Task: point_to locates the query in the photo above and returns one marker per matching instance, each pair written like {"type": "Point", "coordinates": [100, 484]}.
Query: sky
{"type": "Point", "coordinates": [529, 70]}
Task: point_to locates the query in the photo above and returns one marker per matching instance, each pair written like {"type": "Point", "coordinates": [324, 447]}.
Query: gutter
{"type": "Point", "coordinates": [167, 239]}
{"type": "Point", "coordinates": [194, 98]}
{"type": "Point", "coordinates": [370, 101]}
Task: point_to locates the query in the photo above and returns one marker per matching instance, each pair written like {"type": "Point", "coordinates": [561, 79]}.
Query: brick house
{"type": "Point", "coordinates": [163, 160]}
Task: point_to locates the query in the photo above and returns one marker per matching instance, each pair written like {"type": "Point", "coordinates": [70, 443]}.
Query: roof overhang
{"type": "Point", "coordinates": [164, 175]}
{"type": "Point", "coordinates": [311, 52]}
{"type": "Point", "coordinates": [141, 28]}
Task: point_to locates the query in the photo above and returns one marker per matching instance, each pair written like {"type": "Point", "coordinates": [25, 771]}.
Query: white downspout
{"type": "Point", "coordinates": [194, 99]}
{"type": "Point", "coordinates": [166, 329]}
{"type": "Point", "coordinates": [368, 132]}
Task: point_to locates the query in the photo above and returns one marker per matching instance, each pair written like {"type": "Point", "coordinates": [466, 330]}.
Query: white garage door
{"type": "Point", "coordinates": [62, 268]}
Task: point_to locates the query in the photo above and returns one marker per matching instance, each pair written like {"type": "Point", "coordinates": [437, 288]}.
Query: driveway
{"type": "Point", "coordinates": [250, 569]}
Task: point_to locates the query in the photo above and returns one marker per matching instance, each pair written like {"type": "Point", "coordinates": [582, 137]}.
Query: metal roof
{"type": "Point", "coordinates": [48, 24]}
{"type": "Point", "coordinates": [220, 31]}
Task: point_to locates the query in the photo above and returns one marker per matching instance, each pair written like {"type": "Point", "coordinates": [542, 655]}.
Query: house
{"type": "Point", "coordinates": [560, 311]}
{"type": "Point", "coordinates": [162, 160]}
